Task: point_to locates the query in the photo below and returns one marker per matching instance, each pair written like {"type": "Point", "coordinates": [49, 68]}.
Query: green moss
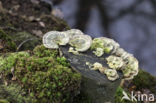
{"type": "Point", "coordinates": [3, 101]}
{"type": "Point", "coordinates": [13, 94]}
{"type": "Point", "coordinates": [119, 95]}
{"type": "Point", "coordinates": [62, 61]}
{"type": "Point", "coordinates": [10, 60]}
{"type": "Point", "coordinates": [7, 42]}
{"type": "Point", "coordinates": [43, 74]}
{"type": "Point", "coordinates": [145, 80]}
{"type": "Point", "coordinates": [41, 51]}
{"type": "Point", "coordinates": [45, 78]}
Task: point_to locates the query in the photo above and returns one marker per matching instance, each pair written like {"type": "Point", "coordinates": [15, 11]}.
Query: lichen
{"type": "Point", "coordinates": [43, 74]}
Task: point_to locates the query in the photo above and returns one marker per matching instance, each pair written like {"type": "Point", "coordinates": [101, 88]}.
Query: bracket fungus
{"type": "Point", "coordinates": [81, 42]}
{"type": "Point", "coordinates": [111, 74]}
{"type": "Point", "coordinates": [54, 38]}
{"type": "Point", "coordinates": [106, 45]}
{"type": "Point", "coordinates": [115, 62]}
{"type": "Point", "coordinates": [71, 50]}
{"type": "Point", "coordinates": [122, 53]}
{"type": "Point", "coordinates": [97, 66]}
{"type": "Point", "coordinates": [98, 52]}
{"type": "Point", "coordinates": [73, 32]}
{"type": "Point", "coordinates": [131, 69]}
{"type": "Point", "coordinates": [118, 59]}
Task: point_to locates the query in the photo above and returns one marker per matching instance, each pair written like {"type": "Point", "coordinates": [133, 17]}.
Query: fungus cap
{"type": "Point", "coordinates": [53, 39]}
{"type": "Point", "coordinates": [81, 42]}
{"type": "Point", "coordinates": [73, 32]}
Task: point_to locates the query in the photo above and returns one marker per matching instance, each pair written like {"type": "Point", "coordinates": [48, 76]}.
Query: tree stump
{"type": "Point", "coordinates": [95, 84]}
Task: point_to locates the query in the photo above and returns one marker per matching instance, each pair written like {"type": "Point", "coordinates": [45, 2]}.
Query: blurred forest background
{"type": "Point", "coordinates": [132, 23]}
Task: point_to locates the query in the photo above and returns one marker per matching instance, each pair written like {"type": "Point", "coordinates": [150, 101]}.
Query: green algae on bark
{"type": "Point", "coordinates": [42, 74]}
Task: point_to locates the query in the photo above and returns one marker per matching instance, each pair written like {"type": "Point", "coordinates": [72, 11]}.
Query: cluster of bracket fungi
{"type": "Point", "coordinates": [119, 59]}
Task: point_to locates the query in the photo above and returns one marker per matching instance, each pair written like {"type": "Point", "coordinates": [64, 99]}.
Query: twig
{"type": "Point", "coordinates": [23, 43]}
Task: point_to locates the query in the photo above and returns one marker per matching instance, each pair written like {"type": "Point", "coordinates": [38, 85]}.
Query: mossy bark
{"type": "Point", "coordinates": [26, 24]}
{"type": "Point", "coordinates": [6, 43]}
{"type": "Point", "coordinates": [145, 80]}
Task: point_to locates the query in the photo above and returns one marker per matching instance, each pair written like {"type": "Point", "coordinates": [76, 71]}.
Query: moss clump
{"type": "Point", "coordinates": [41, 51]}
{"type": "Point", "coordinates": [145, 80]}
{"type": "Point", "coordinates": [43, 75]}
{"type": "Point", "coordinates": [6, 42]}
{"type": "Point", "coordinates": [62, 61]}
{"type": "Point", "coordinates": [13, 94]}
{"type": "Point", "coordinates": [10, 60]}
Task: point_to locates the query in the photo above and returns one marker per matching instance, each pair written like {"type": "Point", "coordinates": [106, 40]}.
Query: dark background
{"type": "Point", "coordinates": [132, 23]}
